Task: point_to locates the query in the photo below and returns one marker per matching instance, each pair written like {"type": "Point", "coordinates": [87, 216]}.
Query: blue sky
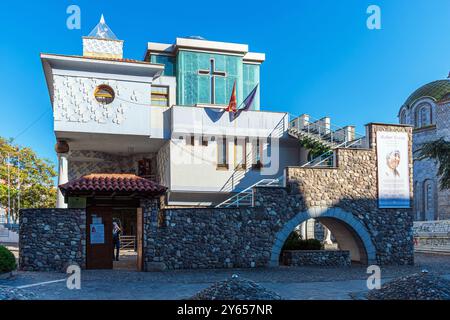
{"type": "Point", "coordinates": [320, 57]}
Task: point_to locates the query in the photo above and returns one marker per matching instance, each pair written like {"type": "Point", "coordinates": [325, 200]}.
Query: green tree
{"type": "Point", "coordinates": [438, 150]}
{"type": "Point", "coordinates": [31, 183]}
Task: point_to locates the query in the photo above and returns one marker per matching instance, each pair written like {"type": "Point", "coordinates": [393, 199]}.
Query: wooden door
{"type": "Point", "coordinates": [140, 239]}
{"type": "Point", "coordinates": [99, 244]}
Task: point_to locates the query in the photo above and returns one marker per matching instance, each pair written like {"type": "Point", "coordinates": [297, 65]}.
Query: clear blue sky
{"type": "Point", "coordinates": [320, 57]}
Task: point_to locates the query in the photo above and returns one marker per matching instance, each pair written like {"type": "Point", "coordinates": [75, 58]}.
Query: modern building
{"type": "Point", "coordinates": [428, 110]}
{"type": "Point", "coordinates": [156, 146]}
{"type": "Point", "coordinates": [163, 118]}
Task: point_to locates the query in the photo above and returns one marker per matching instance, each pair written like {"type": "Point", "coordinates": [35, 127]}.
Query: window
{"type": "Point", "coordinates": [428, 196]}
{"type": "Point", "coordinates": [160, 96]}
{"type": "Point", "coordinates": [222, 154]}
{"type": "Point", "coordinates": [104, 94]}
{"type": "Point", "coordinates": [204, 141]}
{"type": "Point", "coordinates": [257, 154]}
{"type": "Point", "coordinates": [403, 117]}
{"type": "Point", "coordinates": [423, 115]}
{"type": "Point", "coordinates": [240, 160]}
{"type": "Point", "coordinates": [190, 140]}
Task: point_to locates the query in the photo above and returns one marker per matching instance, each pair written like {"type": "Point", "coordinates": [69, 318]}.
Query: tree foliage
{"type": "Point", "coordinates": [438, 150]}
{"type": "Point", "coordinates": [30, 179]}
{"type": "Point", "coordinates": [315, 148]}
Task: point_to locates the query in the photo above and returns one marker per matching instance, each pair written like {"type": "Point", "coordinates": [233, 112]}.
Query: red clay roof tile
{"type": "Point", "coordinates": [109, 183]}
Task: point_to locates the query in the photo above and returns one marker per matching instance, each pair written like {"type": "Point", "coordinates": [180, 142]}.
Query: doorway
{"type": "Point", "coordinates": [100, 247]}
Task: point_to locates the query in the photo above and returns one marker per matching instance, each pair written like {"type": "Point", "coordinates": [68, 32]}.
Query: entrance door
{"type": "Point", "coordinates": [99, 245]}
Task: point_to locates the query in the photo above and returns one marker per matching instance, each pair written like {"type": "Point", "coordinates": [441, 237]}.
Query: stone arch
{"type": "Point", "coordinates": [351, 231]}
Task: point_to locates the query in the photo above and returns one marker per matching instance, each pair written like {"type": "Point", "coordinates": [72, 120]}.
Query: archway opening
{"type": "Point", "coordinates": [342, 231]}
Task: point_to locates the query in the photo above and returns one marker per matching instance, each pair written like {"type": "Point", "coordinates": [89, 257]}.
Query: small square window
{"type": "Point", "coordinates": [160, 96]}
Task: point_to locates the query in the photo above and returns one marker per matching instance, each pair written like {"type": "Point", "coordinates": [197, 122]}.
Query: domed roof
{"type": "Point", "coordinates": [437, 90]}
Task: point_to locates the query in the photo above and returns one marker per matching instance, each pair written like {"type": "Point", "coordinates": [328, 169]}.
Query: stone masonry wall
{"type": "Point", "coordinates": [245, 237]}
{"type": "Point", "coordinates": [352, 187]}
{"type": "Point", "coordinates": [51, 239]}
{"type": "Point", "coordinates": [327, 258]}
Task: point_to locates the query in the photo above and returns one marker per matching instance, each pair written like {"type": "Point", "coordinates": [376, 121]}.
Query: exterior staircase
{"type": "Point", "coordinates": [303, 127]}
{"type": "Point", "coordinates": [245, 197]}
{"type": "Point", "coordinates": [322, 132]}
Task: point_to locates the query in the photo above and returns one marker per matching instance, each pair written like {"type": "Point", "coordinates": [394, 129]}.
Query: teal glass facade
{"type": "Point", "coordinates": [167, 61]}
{"type": "Point", "coordinates": [251, 79]}
{"type": "Point", "coordinates": [194, 87]}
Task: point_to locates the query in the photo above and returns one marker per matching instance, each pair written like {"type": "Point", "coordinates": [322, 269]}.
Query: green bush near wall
{"type": "Point", "coordinates": [7, 260]}
{"type": "Point", "coordinates": [294, 242]}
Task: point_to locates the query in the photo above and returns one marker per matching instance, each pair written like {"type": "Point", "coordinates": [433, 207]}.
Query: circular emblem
{"type": "Point", "coordinates": [104, 94]}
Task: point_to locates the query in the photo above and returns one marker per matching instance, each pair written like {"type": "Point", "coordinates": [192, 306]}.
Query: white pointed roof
{"type": "Point", "coordinates": [102, 31]}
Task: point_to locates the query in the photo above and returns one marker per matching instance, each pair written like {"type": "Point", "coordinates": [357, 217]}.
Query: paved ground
{"type": "Point", "coordinates": [290, 282]}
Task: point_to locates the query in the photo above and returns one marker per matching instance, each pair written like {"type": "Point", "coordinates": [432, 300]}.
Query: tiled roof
{"type": "Point", "coordinates": [104, 58]}
{"type": "Point", "coordinates": [106, 183]}
{"type": "Point", "coordinates": [438, 90]}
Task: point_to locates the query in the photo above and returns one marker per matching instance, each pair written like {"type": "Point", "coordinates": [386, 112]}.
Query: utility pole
{"type": "Point", "coordinates": [18, 184]}
{"type": "Point", "coordinates": [8, 212]}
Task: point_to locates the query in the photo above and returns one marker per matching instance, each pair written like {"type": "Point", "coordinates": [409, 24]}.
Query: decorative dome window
{"type": "Point", "coordinates": [403, 117]}
{"type": "Point", "coordinates": [423, 115]}
{"type": "Point", "coordinates": [104, 94]}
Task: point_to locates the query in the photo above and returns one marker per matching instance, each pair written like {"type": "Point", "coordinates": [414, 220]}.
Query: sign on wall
{"type": "Point", "coordinates": [393, 170]}
{"type": "Point", "coordinates": [97, 231]}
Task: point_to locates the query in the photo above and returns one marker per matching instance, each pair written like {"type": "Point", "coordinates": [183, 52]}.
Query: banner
{"type": "Point", "coordinates": [393, 171]}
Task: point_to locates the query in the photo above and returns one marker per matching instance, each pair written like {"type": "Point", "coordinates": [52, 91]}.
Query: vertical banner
{"type": "Point", "coordinates": [393, 170]}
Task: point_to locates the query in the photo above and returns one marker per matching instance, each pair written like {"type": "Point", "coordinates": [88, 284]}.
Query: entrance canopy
{"type": "Point", "coordinates": [107, 184]}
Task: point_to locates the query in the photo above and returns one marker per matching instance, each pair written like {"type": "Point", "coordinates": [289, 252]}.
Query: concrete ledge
{"type": "Point", "coordinates": [329, 258]}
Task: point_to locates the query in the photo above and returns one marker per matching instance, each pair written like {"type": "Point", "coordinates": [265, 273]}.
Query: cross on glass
{"type": "Point", "coordinates": [213, 73]}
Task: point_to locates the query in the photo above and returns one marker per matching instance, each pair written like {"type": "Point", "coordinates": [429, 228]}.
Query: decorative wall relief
{"type": "Point", "coordinates": [74, 100]}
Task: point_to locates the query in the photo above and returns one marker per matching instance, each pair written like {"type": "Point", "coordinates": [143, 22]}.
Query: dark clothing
{"type": "Point", "coordinates": [116, 244]}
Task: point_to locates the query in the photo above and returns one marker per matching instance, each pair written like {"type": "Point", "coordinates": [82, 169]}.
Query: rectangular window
{"type": "Point", "coordinates": [160, 96]}
{"type": "Point", "coordinates": [190, 140]}
{"type": "Point", "coordinates": [222, 154]}
{"type": "Point", "coordinates": [240, 160]}
{"type": "Point", "coordinates": [257, 154]}
{"type": "Point", "coordinates": [204, 141]}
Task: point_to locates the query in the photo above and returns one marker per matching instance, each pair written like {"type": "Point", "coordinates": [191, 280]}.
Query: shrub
{"type": "Point", "coordinates": [7, 260]}
{"type": "Point", "coordinates": [294, 242]}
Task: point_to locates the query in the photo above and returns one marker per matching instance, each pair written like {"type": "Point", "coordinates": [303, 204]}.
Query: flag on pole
{"type": "Point", "coordinates": [249, 100]}
{"type": "Point", "coordinates": [233, 103]}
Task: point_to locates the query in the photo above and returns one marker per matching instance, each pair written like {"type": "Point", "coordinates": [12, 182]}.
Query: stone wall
{"type": "Point", "coordinates": [327, 258]}
{"type": "Point", "coordinates": [352, 187]}
{"type": "Point", "coordinates": [51, 239]}
{"type": "Point", "coordinates": [432, 236]}
{"type": "Point", "coordinates": [343, 198]}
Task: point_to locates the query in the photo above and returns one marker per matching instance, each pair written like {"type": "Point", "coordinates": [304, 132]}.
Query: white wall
{"type": "Point", "coordinates": [76, 110]}
{"type": "Point", "coordinates": [194, 168]}
{"type": "Point", "coordinates": [200, 121]}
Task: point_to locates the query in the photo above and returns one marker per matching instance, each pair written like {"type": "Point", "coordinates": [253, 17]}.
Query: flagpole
{"type": "Point", "coordinates": [9, 193]}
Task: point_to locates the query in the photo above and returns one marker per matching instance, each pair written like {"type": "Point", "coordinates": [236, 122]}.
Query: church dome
{"type": "Point", "coordinates": [437, 90]}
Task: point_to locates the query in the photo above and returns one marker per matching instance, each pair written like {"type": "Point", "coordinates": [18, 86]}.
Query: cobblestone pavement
{"type": "Point", "coordinates": [290, 282]}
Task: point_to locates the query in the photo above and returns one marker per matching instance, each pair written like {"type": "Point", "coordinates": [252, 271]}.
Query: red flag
{"type": "Point", "coordinates": [233, 103]}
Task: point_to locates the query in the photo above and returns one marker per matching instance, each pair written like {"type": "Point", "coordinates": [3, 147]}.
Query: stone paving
{"type": "Point", "coordinates": [290, 282]}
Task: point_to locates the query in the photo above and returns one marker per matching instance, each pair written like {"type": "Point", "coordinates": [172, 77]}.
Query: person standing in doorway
{"type": "Point", "coordinates": [116, 240]}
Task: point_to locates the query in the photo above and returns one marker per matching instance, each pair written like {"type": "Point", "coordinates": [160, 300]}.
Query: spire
{"type": "Point", "coordinates": [102, 31]}
{"type": "Point", "coordinates": [102, 42]}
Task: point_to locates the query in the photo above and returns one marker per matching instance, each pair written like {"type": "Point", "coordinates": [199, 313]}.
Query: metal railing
{"type": "Point", "coordinates": [128, 242]}
{"type": "Point", "coordinates": [323, 132]}
{"type": "Point", "coordinates": [245, 198]}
